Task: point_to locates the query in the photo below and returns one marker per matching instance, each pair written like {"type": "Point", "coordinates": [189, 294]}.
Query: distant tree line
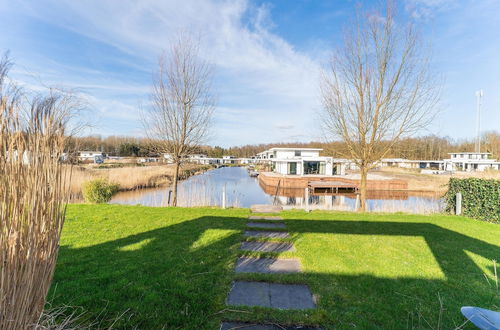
{"type": "Point", "coordinates": [426, 147]}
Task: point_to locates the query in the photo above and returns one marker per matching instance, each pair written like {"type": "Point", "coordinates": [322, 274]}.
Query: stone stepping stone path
{"type": "Point", "coordinates": [270, 218]}
{"type": "Point", "coordinates": [265, 225]}
{"type": "Point", "coordinates": [267, 246]}
{"type": "Point", "coordinates": [265, 294]}
{"type": "Point", "coordinates": [256, 326]}
{"type": "Point", "coordinates": [273, 295]}
{"type": "Point", "coordinates": [264, 208]}
{"type": "Point", "coordinates": [266, 234]}
{"type": "Point", "coordinates": [267, 265]}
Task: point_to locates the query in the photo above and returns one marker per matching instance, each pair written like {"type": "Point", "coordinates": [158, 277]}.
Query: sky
{"type": "Point", "coordinates": [267, 55]}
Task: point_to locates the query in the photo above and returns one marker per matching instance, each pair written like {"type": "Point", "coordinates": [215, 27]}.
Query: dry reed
{"type": "Point", "coordinates": [32, 198]}
{"type": "Point", "coordinates": [128, 178]}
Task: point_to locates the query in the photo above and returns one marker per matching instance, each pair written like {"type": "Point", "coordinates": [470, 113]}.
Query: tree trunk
{"type": "Point", "coordinates": [174, 184]}
{"type": "Point", "coordinates": [362, 189]}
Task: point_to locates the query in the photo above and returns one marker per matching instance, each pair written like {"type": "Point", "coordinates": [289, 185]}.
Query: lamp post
{"type": "Point", "coordinates": [479, 96]}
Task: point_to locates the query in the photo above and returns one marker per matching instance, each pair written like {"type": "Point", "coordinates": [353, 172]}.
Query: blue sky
{"type": "Point", "coordinates": [268, 55]}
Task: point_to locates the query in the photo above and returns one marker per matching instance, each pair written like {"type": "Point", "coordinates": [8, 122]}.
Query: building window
{"type": "Point", "coordinates": [297, 153]}
{"type": "Point", "coordinates": [313, 167]}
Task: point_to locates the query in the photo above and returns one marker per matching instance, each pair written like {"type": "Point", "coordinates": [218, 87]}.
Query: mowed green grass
{"type": "Point", "coordinates": [173, 267]}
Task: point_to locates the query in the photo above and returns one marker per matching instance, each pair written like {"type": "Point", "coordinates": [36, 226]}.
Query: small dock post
{"type": "Point", "coordinates": [306, 199]}
{"type": "Point", "coordinates": [224, 197]}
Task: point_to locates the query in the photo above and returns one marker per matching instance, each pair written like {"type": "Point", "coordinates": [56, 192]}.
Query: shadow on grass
{"type": "Point", "coordinates": [179, 276]}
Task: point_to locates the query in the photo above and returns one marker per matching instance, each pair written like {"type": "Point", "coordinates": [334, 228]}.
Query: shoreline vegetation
{"type": "Point", "coordinates": [129, 176]}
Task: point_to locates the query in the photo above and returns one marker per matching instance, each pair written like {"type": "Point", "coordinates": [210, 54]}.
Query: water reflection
{"type": "Point", "coordinates": [204, 190]}
{"type": "Point", "coordinates": [243, 191]}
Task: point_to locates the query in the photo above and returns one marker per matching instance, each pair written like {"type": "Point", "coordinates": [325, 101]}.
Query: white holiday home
{"type": "Point", "coordinates": [470, 161]}
{"type": "Point", "coordinates": [301, 161]}
{"type": "Point", "coordinates": [91, 155]}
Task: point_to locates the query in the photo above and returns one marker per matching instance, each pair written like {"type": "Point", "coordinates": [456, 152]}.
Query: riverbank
{"type": "Point", "coordinates": [150, 268]}
{"type": "Point", "coordinates": [131, 176]}
{"type": "Point", "coordinates": [242, 190]}
{"type": "Point", "coordinates": [387, 178]}
{"type": "Point", "coordinates": [431, 182]}
{"type": "Point", "coordinates": [374, 182]}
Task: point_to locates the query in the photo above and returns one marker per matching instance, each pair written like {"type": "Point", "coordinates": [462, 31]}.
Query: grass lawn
{"type": "Point", "coordinates": [173, 267]}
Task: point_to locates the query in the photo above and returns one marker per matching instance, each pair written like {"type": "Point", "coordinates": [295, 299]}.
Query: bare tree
{"type": "Point", "coordinates": [182, 106]}
{"type": "Point", "coordinates": [377, 89]}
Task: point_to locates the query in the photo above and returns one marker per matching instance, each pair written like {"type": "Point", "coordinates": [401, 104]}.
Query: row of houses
{"type": "Point", "coordinates": [462, 161]}
{"type": "Point", "coordinates": [307, 161]}
{"type": "Point", "coordinates": [205, 160]}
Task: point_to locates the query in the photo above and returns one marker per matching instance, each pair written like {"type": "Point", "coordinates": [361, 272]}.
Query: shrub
{"type": "Point", "coordinates": [98, 191]}
{"type": "Point", "coordinates": [480, 198]}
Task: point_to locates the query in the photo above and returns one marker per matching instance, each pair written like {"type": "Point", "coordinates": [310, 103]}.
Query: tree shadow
{"type": "Point", "coordinates": [178, 276]}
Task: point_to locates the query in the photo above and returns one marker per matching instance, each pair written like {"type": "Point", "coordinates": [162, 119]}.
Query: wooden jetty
{"type": "Point", "coordinates": [332, 187]}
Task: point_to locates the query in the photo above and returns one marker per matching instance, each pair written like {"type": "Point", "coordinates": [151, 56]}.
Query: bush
{"type": "Point", "coordinates": [480, 198]}
{"type": "Point", "coordinates": [98, 191]}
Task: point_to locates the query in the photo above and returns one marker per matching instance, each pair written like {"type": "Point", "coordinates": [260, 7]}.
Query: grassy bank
{"type": "Point", "coordinates": [130, 176]}
{"type": "Point", "coordinates": [172, 267]}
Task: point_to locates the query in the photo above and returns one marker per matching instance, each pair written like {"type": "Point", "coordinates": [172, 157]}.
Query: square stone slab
{"type": "Point", "coordinates": [266, 234]}
{"type": "Point", "coordinates": [264, 208]}
{"type": "Point", "coordinates": [287, 296]}
{"type": "Point", "coordinates": [265, 225]}
{"type": "Point", "coordinates": [267, 265]}
{"type": "Point", "coordinates": [267, 246]}
{"type": "Point", "coordinates": [257, 326]}
{"type": "Point", "coordinates": [282, 296]}
{"type": "Point", "coordinates": [270, 218]}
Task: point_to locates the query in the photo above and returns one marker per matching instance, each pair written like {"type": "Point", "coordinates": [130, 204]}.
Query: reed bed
{"type": "Point", "coordinates": [32, 199]}
{"type": "Point", "coordinates": [128, 178]}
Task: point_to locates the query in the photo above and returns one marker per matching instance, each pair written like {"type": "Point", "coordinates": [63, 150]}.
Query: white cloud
{"type": "Point", "coordinates": [256, 69]}
{"type": "Point", "coordinates": [425, 9]}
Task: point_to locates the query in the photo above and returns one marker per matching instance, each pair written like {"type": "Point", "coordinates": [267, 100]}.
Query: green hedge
{"type": "Point", "coordinates": [98, 191]}
{"type": "Point", "coordinates": [480, 198]}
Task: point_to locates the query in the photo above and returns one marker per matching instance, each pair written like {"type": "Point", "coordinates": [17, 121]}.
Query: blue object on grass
{"type": "Point", "coordinates": [484, 319]}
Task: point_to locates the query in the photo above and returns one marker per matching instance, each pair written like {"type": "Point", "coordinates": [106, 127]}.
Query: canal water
{"type": "Point", "coordinates": [241, 190]}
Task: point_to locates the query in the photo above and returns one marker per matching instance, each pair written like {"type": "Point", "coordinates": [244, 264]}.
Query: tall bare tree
{"type": "Point", "coordinates": [378, 88]}
{"type": "Point", "coordinates": [180, 115]}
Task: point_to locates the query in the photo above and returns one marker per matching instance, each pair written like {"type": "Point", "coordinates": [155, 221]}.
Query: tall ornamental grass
{"type": "Point", "coordinates": [32, 197]}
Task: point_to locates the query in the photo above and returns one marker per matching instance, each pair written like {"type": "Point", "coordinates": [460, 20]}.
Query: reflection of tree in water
{"type": "Point", "coordinates": [242, 191]}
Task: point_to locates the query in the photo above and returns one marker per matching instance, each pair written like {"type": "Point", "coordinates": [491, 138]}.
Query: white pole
{"type": "Point", "coordinates": [224, 197]}
{"type": "Point", "coordinates": [479, 96]}
{"type": "Point", "coordinates": [458, 202]}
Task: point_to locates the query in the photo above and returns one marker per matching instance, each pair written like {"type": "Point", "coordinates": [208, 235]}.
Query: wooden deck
{"type": "Point", "coordinates": [332, 187]}
{"type": "Point", "coordinates": [296, 181]}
